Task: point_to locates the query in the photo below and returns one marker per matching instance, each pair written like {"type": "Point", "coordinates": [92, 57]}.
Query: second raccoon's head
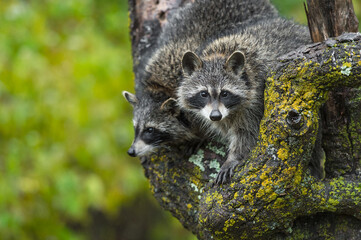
{"type": "Point", "coordinates": [155, 123]}
{"type": "Point", "coordinates": [215, 87]}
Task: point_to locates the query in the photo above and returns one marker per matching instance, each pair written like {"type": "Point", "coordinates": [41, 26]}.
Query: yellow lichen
{"type": "Point", "coordinates": [174, 176]}
{"type": "Point", "coordinates": [347, 65]}
{"type": "Point", "coordinates": [279, 203]}
{"type": "Point", "coordinates": [333, 202]}
{"type": "Point", "coordinates": [282, 153]}
{"type": "Point", "coordinates": [298, 176]}
{"type": "Point", "coordinates": [235, 195]}
{"type": "Point", "coordinates": [228, 223]}
{"type": "Point", "coordinates": [216, 196]}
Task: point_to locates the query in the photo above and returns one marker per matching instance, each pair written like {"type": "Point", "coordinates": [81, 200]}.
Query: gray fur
{"type": "Point", "coordinates": [188, 29]}
{"type": "Point", "coordinates": [261, 44]}
{"type": "Point", "coordinates": [192, 27]}
{"type": "Point", "coordinates": [159, 114]}
{"type": "Point", "coordinates": [214, 30]}
{"type": "Point", "coordinates": [204, 20]}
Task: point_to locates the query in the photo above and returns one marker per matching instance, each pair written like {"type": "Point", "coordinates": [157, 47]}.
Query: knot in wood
{"type": "Point", "coordinates": [294, 119]}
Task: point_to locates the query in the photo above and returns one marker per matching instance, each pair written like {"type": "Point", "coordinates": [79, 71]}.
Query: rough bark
{"type": "Point", "coordinates": [272, 196]}
{"type": "Point", "coordinates": [331, 18]}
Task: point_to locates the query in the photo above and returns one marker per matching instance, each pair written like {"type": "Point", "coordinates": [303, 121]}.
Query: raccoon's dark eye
{"type": "Point", "coordinates": [204, 94]}
{"type": "Point", "coordinates": [224, 94]}
{"type": "Point", "coordinates": [149, 130]}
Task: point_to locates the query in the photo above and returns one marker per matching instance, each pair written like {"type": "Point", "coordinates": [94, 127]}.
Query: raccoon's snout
{"type": "Point", "coordinates": [215, 115]}
{"type": "Point", "coordinates": [131, 152]}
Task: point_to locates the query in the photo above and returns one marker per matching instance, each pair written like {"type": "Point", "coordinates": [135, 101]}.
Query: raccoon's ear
{"type": "Point", "coordinates": [131, 98]}
{"type": "Point", "coordinates": [191, 62]}
{"type": "Point", "coordinates": [235, 62]}
{"type": "Point", "coordinates": [170, 106]}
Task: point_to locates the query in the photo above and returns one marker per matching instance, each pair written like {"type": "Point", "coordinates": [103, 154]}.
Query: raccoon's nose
{"type": "Point", "coordinates": [215, 115]}
{"type": "Point", "coordinates": [131, 152]}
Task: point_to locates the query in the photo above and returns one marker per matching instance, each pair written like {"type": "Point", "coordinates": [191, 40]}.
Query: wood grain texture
{"type": "Point", "coordinates": [330, 18]}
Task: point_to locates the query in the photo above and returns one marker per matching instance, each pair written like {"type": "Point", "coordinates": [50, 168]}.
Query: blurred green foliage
{"type": "Point", "coordinates": [65, 128]}
{"type": "Point", "coordinates": [294, 9]}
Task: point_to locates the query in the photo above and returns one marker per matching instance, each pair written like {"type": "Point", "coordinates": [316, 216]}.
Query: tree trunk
{"type": "Point", "coordinates": [330, 19]}
{"type": "Point", "coordinates": [273, 196]}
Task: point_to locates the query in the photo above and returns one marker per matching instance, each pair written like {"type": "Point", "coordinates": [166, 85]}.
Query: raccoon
{"type": "Point", "coordinates": [224, 86]}
{"type": "Point", "coordinates": [189, 28]}
{"type": "Point", "coordinates": [192, 27]}
{"type": "Point", "coordinates": [159, 123]}
{"type": "Point", "coordinates": [207, 19]}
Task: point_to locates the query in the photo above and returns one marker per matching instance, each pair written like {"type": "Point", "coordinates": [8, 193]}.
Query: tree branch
{"type": "Point", "coordinates": [331, 18]}
{"type": "Point", "coordinates": [274, 187]}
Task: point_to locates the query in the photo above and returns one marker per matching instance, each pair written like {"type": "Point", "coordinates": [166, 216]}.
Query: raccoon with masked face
{"type": "Point", "coordinates": [189, 28]}
{"type": "Point", "coordinates": [224, 85]}
{"type": "Point", "coordinates": [159, 123]}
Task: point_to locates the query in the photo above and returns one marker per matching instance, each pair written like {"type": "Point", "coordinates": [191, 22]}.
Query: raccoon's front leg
{"type": "Point", "coordinates": [240, 146]}
{"type": "Point", "coordinates": [227, 168]}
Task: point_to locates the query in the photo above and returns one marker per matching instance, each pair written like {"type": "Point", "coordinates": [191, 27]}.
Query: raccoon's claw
{"type": "Point", "coordinates": [226, 172]}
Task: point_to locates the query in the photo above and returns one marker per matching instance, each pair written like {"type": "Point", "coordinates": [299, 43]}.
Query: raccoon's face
{"type": "Point", "coordinates": [213, 89]}
{"type": "Point", "coordinates": [154, 125]}
{"type": "Point", "coordinates": [147, 139]}
{"type": "Point", "coordinates": [213, 103]}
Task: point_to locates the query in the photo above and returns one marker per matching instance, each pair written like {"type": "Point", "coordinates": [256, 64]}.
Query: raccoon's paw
{"type": "Point", "coordinates": [226, 171]}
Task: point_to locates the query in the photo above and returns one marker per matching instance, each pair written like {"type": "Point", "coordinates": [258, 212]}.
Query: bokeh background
{"type": "Point", "coordinates": [65, 127]}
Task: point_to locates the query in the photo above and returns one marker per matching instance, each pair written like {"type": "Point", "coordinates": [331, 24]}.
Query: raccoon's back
{"type": "Point", "coordinates": [281, 36]}
{"type": "Point", "coordinates": [263, 41]}
{"type": "Point", "coordinates": [206, 19]}
{"type": "Point", "coordinates": [193, 27]}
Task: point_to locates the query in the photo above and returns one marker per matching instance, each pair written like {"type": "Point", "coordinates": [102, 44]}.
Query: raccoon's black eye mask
{"type": "Point", "coordinates": [149, 130]}
{"type": "Point", "coordinates": [224, 94]}
{"type": "Point", "coordinates": [155, 136]}
{"type": "Point", "coordinates": [230, 100]}
{"type": "Point", "coordinates": [198, 101]}
{"type": "Point", "coordinates": [204, 94]}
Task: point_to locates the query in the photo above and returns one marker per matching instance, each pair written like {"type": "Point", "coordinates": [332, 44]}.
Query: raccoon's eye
{"type": "Point", "coordinates": [224, 94]}
{"type": "Point", "coordinates": [149, 130]}
{"type": "Point", "coordinates": [204, 94]}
